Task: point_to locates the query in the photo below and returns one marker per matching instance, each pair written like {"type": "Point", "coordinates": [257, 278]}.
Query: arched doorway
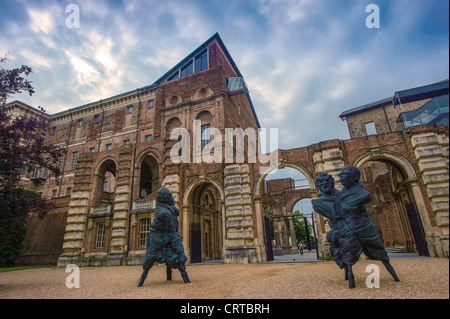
{"type": "Point", "coordinates": [279, 188]}
{"type": "Point", "coordinates": [404, 192]}
{"type": "Point", "coordinates": [149, 177]}
{"type": "Point", "coordinates": [105, 183]}
{"type": "Point", "coordinates": [393, 209]}
{"type": "Point", "coordinates": [305, 223]}
{"type": "Point", "coordinates": [100, 214]}
{"type": "Point", "coordinates": [203, 221]}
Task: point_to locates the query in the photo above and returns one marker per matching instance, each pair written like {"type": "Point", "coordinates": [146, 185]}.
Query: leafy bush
{"type": "Point", "coordinates": [13, 228]}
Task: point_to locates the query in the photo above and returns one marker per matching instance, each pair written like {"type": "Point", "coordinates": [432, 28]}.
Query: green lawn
{"type": "Point", "coordinates": [5, 269]}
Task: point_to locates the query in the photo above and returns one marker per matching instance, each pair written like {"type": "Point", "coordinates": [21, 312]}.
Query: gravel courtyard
{"type": "Point", "coordinates": [421, 278]}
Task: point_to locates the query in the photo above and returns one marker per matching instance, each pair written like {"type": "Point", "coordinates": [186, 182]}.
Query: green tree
{"type": "Point", "coordinates": [299, 227]}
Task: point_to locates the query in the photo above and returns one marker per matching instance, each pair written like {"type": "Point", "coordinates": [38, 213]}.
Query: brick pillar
{"type": "Point", "coordinates": [260, 229]}
{"type": "Point", "coordinates": [172, 183]}
{"type": "Point", "coordinates": [330, 161]}
{"type": "Point", "coordinates": [431, 151]}
{"type": "Point", "coordinates": [239, 244]}
{"type": "Point", "coordinates": [292, 231]}
{"type": "Point", "coordinates": [73, 246]}
{"type": "Point", "coordinates": [122, 198]}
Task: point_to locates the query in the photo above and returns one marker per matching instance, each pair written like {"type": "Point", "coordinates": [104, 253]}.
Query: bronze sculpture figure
{"type": "Point", "coordinates": [164, 244]}
{"type": "Point", "coordinates": [352, 230]}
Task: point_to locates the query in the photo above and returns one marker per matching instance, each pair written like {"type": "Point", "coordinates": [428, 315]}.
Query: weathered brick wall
{"type": "Point", "coordinates": [45, 235]}
{"type": "Point", "coordinates": [384, 117]}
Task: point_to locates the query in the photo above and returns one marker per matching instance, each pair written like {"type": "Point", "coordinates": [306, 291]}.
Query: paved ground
{"type": "Point", "coordinates": [421, 278]}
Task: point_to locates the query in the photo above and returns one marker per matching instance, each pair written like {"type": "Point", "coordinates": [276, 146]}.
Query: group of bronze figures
{"type": "Point", "coordinates": [352, 231]}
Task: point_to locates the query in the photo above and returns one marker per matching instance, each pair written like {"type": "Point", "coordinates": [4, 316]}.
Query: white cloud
{"type": "Point", "coordinates": [35, 59]}
{"type": "Point", "coordinates": [41, 20]}
{"type": "Point", "coordinates": [85, 72]}
{"type": "Point", "coordinates": [286, 11]}
{"type": "Point", "coordinates": [104, 56]}
{"type": "Point", "coordinates": [304, 61]}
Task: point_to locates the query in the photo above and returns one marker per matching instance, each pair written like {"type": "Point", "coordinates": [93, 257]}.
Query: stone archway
{"type": "Point", "coordinates": [257, 191]}
{"type": "Point", "coordinates": [283, 223]}
{"type": "Point", "coordinates": [105, 181]}
{"type": "Point", "coordinates": [409, 198]}
{"type": "Point", "coordinates": [203, 220]}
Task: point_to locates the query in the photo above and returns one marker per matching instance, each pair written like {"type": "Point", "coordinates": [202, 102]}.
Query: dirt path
{"type": "Point", "coordinates": [421, 278]}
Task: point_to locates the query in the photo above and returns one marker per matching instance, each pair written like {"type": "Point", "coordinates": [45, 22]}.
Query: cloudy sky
{"type": "Point", "coordinates": [304, 61]}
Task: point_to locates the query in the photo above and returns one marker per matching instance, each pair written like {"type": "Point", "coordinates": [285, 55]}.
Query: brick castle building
{"type": "Point", "coordinates": [118, 154]}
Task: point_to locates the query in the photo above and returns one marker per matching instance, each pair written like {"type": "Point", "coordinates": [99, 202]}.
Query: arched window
{"type": "Point", "coordinates": [206, 118]}
{"type": "Point", "coordinates": [172, 124]}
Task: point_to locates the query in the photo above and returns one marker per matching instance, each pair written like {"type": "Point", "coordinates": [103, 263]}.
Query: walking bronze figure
{"type": "Point", "coordinates": [164, 244]}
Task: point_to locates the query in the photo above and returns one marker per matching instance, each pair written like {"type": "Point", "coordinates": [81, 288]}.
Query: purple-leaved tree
{"type": "Point", "coordinates": [22, 149]}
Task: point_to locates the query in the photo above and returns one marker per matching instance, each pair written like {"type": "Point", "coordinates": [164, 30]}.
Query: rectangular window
{"type": "Point", "coordinates": [126, 142]}
{"type": "Point", "coordinates": [370, 128]}
{"type": "Point", "coordinates": [206, 135]}
{"type": "Point", "coordinates": [144, 231]}
{"type": "Point", "coordinates": [96, 118]}
{"type": "Point", "coordinates": [35, 173]}
{"type": "Point", "coordinates": [201, 62]}
{"type": "Point", "coordinates": [100, 236]}
{"type": "Point", "coordinates": [105, 186]}
{"type": "Point", "coordinates": [148, 138]}
{"type": "Point", "coordinates": [108, 147]}
{"type": "Point", "coordinates": [60, 161]}
{"type": "Point", "coordinates": [150, 103]}
{"type": "Point", "coordinates": [174, 76]}
{"type": "Point", "coordinates": [53, 129]}
{"type": "Point", "coordinates": [74, 160]}
{"type": "Point", "coordinates": [54, 193]}
{"type": "Point", "coordinates": [80, 123]}
{"type": "Point", "coordinates": [92, 149]}
{"type": "Point", "coordinates": [188, 69]}
{"type": "Point", "coordinates": [130, 109]}
{"type": "Point", "coordinates": [44, 175]}
{"type": "Point", "coordinates": [69, 191]}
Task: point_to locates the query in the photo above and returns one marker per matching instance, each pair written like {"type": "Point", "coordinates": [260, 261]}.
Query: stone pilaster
{"type": "Point", "coordinates": [431, 151]}
{"type": "Point", "coordinates": [172, 183]}
{"type": "Point", "coordinates": [330, 161]}
{"type": "Point", "coordinates": [239, 244]}
{"type": "Point", "coordinates": [119, 228]}
{"type": "Point", "coordinates": [73, 248]}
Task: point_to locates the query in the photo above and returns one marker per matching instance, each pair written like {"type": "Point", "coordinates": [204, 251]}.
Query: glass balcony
{"type": "Point", "coordinates": [234, 84]}
{"type": "Point", "coordinates": [435, 111]}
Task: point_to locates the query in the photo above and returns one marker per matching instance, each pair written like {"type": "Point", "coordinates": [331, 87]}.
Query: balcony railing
{"type": "Point", "coordinates": [144, 204]}
{"type": "Point", "coordinates": [425, 114]}
{"type": "Point", "coordinates": [103, 210]}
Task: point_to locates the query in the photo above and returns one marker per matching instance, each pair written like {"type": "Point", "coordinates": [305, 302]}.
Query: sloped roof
{"type": "Point", "coordinates": [366, 107]}
{"type": "Point", "coordinates": [404, 96]}
{"type": "Point", "coordinates": [421, 92]}
{"type": "Point", "coordinates": [197, 51]}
